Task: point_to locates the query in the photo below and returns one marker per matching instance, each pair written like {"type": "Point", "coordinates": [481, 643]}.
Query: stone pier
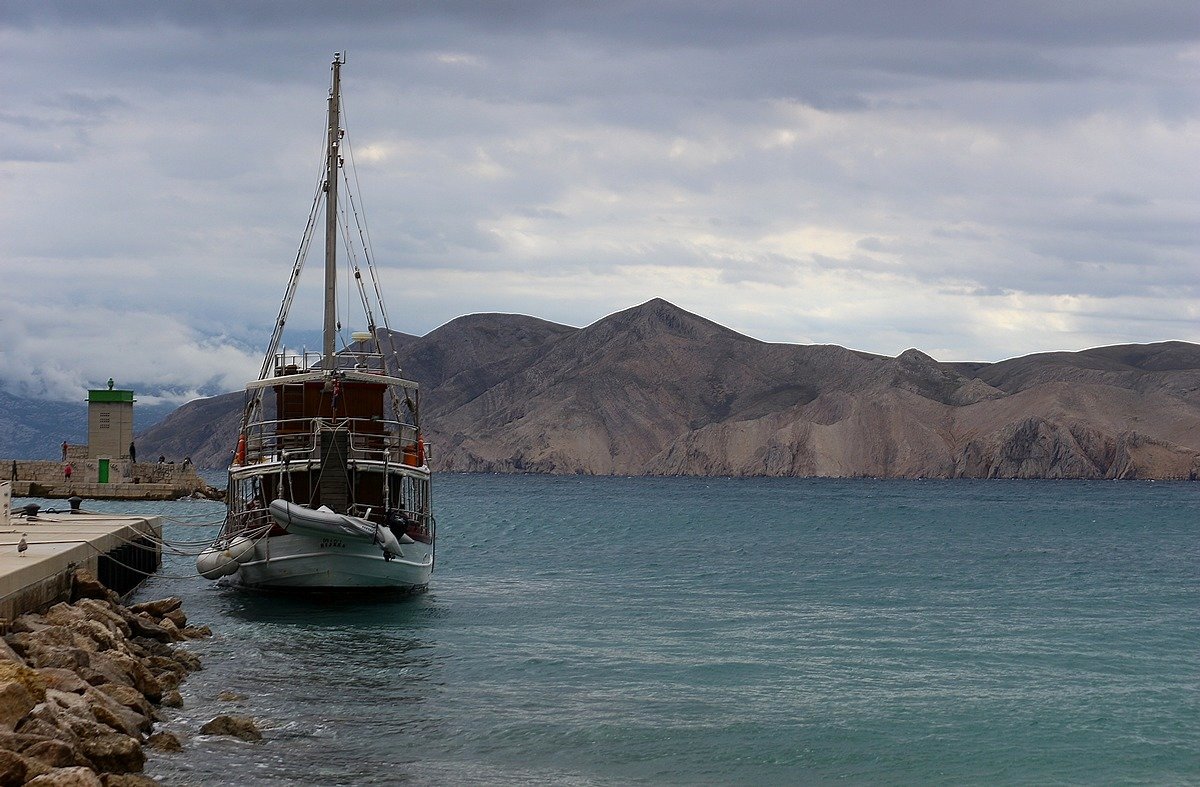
{"type": "Point", "coordinates": [114, 480]}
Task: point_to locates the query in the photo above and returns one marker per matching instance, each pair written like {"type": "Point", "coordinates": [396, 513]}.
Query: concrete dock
{"type": "Point", "coordinates": [119, 550]}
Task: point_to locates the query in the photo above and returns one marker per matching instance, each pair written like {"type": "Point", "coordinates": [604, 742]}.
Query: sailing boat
{"type": "Point", "coordinates": [329, 486]}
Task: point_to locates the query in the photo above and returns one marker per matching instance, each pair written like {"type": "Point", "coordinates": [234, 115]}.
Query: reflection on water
{"type": "Point", "coordinates": [366, 609]}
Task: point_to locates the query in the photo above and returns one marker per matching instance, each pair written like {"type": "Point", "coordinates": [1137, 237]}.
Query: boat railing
{"type": "Point", "coordinates": [392, 444]}
{"type": "Point", "coordinates": [248, 517]}
{"type": "Point", "coordinates": [356, 359]}
{"type": "Point", "coordinates": [368, 439]}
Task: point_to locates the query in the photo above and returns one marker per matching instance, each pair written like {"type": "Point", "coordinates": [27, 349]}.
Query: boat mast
{"type": "Point", "coordinates": [331, 191]}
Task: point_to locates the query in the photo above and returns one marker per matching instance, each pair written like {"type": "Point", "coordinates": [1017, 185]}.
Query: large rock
{"type": "Point", "coordinates": [145, 646]}
{"type": "Point", "coordinates": [169, 680]}
{"type": "Point", "coordinates": [117, 717]}
{"type": "Point", "coordinates": [42, 729]}
{"type": "Point", "coordinates": [164, 741]}
{"type": "Point", "coordinates": [159, 607]}
{"type": "Point", "coordinates": [63, 614]}
{"type": "Point", "coordinates": [172, 629]}
{"type": "Point", "coordinates": [69, 723]}
{"type": "Point", "coordinates": [118, 722]}
{"type": "Point", "coordinates": [77, 687]}
{"type": "Point", "coordinates": [235, 726]}
{"type": "Point", "coordinates": [189, 661]}
{"type": "Point", "coordinates": [54, 753]}
{"type": "Point", "coordinates": [63, 679]}
{"type": "Point", "coordinates": [19, 741]}
{"type": "Point", "coordinates": [28, 623]}
{"type": "Point", "coordinates": [118, 667]}
{"type": "Point", "coordinates": [78, 776]}
{"type": "Point", "coordinates": [127, 780]}
{"type": "Point", "coordinates": [106, 613]}
{"type": "Point", "coordinates": [84, 584]}
{"type": "Point", "coordinates": [33, 682]}
{"type": "Point", "coordinates": [1037, 448]}
{"type": "Point", "coordinates": [13, 769]}
{"type": "Point", "coordinates": [114, 753]}
{"type": "Point", "coordinates": [142, 625]}
{"type": "Point", "coordinates": [62, 657]}
{"type": "Point", "coordinates": [95, 636]}
{"type": "Point", "coordinates": [128, 697]}
{"type": "Point", "coordinates": [8, 654]}
{"type": "Point", "coordinates": [165, 665]}
{"type": "Point", "coordinates": [15, 702]}
{"type": "Point", "coordinates": [43, 635]}
{"type": "Point", "coordinates": [74, 704]}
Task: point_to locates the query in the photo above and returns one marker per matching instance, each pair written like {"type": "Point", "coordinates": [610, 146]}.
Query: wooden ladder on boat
{"type": "Point", "coordinates": [334, 484]}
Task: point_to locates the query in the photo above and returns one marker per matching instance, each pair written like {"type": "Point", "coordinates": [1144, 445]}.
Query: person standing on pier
{"type": "Point", "coordinates": [64, 450]}
{"type": "Point", "coordinates": [67, 472]}
{"type": "Point", "coordinates": [132, 453]}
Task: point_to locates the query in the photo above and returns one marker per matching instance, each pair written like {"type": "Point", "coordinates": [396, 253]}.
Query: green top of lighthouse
{"type": "Point", "coordinates": [108, 394]}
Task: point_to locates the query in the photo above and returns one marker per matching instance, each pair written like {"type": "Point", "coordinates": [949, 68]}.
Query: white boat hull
{"type": "Point", "coordinates": [298, 562]}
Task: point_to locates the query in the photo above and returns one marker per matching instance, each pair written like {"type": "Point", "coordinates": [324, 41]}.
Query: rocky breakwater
{"type": "Point", "coordinates": [81, 686]}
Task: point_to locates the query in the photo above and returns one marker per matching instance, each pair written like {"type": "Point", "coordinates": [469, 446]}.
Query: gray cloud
{"type": "Point", "coordinates": [866, 174]}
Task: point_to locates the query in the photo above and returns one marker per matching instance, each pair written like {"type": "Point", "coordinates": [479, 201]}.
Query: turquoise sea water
{"type": "Point", "coordinates": [740, 631]}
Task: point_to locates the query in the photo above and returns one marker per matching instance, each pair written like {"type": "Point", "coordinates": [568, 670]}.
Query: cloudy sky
{"type": "Point", "coordinates": [978, 180]}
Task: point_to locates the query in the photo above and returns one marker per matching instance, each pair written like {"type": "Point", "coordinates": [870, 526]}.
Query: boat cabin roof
{"type": "Point", "coordinates": [345, 375]}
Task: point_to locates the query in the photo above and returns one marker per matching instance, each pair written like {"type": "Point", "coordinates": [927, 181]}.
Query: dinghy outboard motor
{"type": "Point", "coordinates": [386, 540]}
{"type": "Point", "coordinates": [397, 522]}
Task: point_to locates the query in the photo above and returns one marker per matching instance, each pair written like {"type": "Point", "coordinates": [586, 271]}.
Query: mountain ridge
{"type": "Point", "coordinates": [657, 390]}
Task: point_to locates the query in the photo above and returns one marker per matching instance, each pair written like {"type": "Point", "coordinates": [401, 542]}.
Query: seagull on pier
{"type": "Point", "coordinates": [22, 545]}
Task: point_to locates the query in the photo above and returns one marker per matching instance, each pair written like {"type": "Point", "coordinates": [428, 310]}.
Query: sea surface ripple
{"type": "Point", "coordinates": [726, 631]}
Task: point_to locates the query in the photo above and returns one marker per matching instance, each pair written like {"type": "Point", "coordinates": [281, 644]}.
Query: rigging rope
{"type": "Point", "coordinates": [364, 236]}
{"type": "Point", "coordinates": [253, 405]}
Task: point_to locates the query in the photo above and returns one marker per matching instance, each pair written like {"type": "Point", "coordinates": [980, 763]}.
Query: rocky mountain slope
{"type": "Point", "coordinates": [657, 390]}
